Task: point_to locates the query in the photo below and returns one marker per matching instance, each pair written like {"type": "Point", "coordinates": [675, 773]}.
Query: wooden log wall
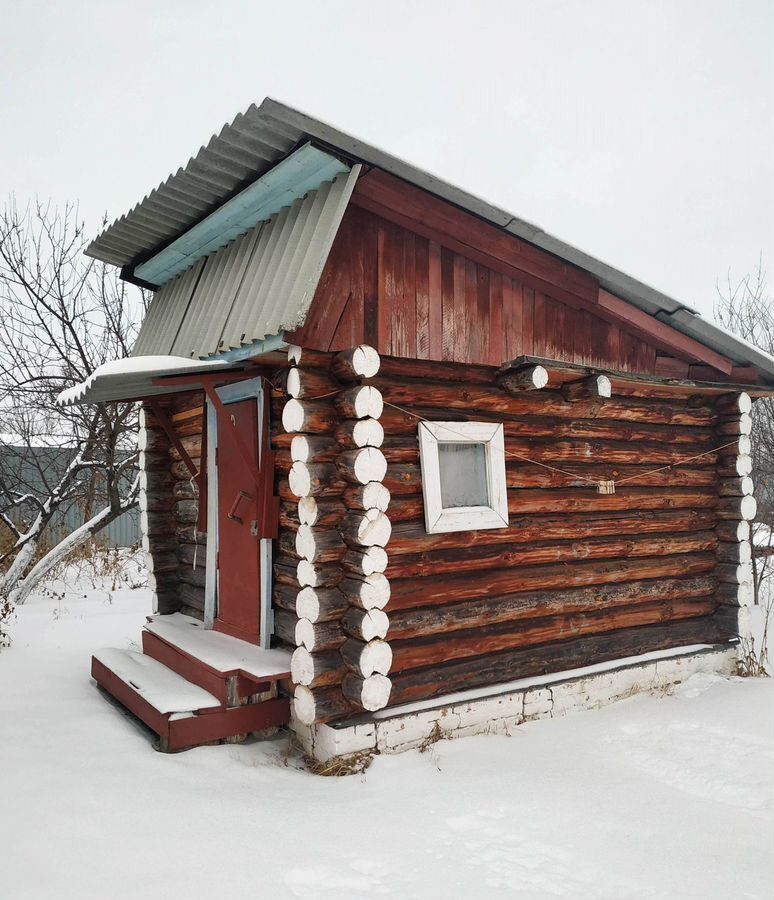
{"type": "Point", "coordinates": [331, 590]}
{"type": "Point", "coordinates": [176, 549]}
{"type": "Point", "coordinates": [578, 577]}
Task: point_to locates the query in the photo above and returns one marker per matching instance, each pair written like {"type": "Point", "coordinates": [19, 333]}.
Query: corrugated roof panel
{"type": "Point", "coordinates": [251, 288]}
{"type": "Point", "coordinates": [211, 303]}
{"type": "Point", "coordinates": [165, 314]}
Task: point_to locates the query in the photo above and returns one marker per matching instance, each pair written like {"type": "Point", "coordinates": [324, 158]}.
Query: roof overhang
{"type": "Point", "coordinates": [136, 378]}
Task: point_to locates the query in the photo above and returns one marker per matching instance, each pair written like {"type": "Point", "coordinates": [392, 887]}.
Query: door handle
{"type": "Point", "coordinates": [242, 495]}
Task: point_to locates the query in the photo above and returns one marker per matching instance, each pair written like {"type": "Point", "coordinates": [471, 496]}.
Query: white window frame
{"type": "Point", "coordinates": [463, 518]}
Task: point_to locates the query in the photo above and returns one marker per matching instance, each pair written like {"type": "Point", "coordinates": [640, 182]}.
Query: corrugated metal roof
{"type": "Point", "coordinates": [261, 137]}
{"type": "Point", "coordinates": [259, 285]}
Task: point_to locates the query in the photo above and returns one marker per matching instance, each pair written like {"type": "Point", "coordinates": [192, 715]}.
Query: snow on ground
{"type": "Point", "coordinates": [655, 797]}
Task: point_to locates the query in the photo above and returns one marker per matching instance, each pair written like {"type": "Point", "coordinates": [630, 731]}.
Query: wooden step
{"type": "Point", "coordinates": [227, 667]}
{"type": "Point", "coordinates": [182, 714]}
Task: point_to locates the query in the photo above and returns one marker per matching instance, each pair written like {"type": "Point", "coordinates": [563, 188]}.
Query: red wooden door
{"type": "Point", "coordinates": [239, 567]}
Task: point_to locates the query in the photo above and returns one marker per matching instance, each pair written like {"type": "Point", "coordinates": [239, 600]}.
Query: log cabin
{"type": "Point", "coordinates": [411, 465]}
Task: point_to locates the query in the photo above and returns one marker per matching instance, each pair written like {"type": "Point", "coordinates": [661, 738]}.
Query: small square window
{"type": "Point", "coordinates": [463, 476]}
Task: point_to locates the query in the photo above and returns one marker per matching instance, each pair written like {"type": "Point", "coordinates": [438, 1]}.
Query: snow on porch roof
{"type": "Point", "coordinates": [131, 379]}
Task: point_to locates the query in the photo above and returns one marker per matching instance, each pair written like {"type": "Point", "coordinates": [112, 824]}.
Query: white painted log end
{"type": "Point", "coordinates": [304, 707]}
{"type": "Point", "coordinates": [368, 464]}
{"type": "Point", "coordinates": [300, 479]}
{"type": "Point", "coordinates": [294, 354]}
{"type": "Point", "coordinates": [370, 693]}
{"type": "Point", "coordinates": [368, 592]}
{"type": "Point", "coordinates": [293, 416]}
{"type": "Point", "coordinates": [301, 666]}
{"type": "Point", "coordinates": [367, 433]}
{"type": "Point", "coordinates": [293, 384]}
{"type": "Point", "coordinates": [748, 506]}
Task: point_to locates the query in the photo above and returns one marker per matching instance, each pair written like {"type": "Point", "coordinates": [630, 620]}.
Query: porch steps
{"type": "Point", "coordinates": [192, 686]}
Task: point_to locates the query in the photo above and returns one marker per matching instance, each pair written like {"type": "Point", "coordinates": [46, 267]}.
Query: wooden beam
{"type": "Point", "coordinates": [591, 388]}
{"type": "Point", "coordinates": [660, 334]}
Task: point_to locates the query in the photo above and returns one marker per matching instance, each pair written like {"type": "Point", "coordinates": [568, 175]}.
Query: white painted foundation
{"type": "Point", "coordinates": [500, 709]}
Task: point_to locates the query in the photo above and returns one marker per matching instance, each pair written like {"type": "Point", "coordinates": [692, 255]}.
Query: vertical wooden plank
{"type": "Point", "coordinates": [386, 290]}
{"type": "Point", "coordinates": [471, 341]}
{"type": "Point", "coordinates": [447, 295]}
{"type": "Point", "coordinates": [356, 285]}
{"type": "Point", "coordinates": [458, 324]}
{"type": "Point", "coordinates": [369, 239]}
{"type": "Point", "coordinates": [496, 320]}
{"type": "Point", "coordinates": [435, 302]}
{"type": "Point", "coordinates": [613, 346]}
{"type": "Point", "coordinates": [555, 323]}
{"type": "Point", "coordinates": [527, 319]}
{"type": "Point", "coordinates": [421, 289]}
{"type": "Point", "coordinates": [483, 323]}
{"type": "Point", "coordinates": [539, 325]}
{"type": "Point", "coordinates": [408, 298]}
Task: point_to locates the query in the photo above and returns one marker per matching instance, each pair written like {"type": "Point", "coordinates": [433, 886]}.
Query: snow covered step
{"type": "Point", "coordinates": [219, 652]}
{"type": "Point", "coordinates": [182, 714]}
{"type": "Point", "coordinates": [163, 689]}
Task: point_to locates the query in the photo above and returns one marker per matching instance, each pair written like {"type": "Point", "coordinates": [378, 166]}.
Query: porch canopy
{"type": "Point", "coordinates": [139, 377]}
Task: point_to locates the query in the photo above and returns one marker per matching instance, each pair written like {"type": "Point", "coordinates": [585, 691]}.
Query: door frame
{"type": "Point", "coordinates": [231, 393]}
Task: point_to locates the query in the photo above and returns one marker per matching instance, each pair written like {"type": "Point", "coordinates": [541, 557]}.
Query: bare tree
{"type": "Point", "coordinates": [746, 308]}
{"type": "Point", "coordinates": [61, 315]}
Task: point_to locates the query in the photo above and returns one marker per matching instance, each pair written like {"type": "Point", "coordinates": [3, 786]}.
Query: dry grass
{"type": "Point", "coordinates": [355, 764]}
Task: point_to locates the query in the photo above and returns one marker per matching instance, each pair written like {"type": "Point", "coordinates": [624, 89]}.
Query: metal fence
{"type": "Point", "coordinates": [31, 469]}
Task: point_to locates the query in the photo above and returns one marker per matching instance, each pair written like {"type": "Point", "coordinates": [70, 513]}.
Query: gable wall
{"type": "Point", "coordinates": [414, 297]}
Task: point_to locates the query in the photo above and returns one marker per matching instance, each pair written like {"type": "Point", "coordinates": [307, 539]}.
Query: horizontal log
{"type": "Point", "coordinates": [360, 402]}
{"type": "Point", "coordinates": [317, 669]}
{"type": "Point", "coordinates": [316, 359]}
{"type": "Point", "coordinates": [185, 490]}
{"type": "Point", "coordinates": [736, 507]}
{"type": "Point", "coordinates": [735, 467]}
{"type": "Point", "coordinates": [735, 594]}
{"type": "Point", "coordinates": [322, 513]}
{"type": "Point", "coordinates": [309, 448]}
{"type": "Point", "coordinates": [318, 636]}
{"type": "Point", "coordinates": [309, 384]}
{"type": "Point", "coordinates": [189, 575]}
{"type": "Point", "coordinates": [358, 362]}
{"type": "Point", "coordinates": [161, 561]}
{"type": "Point", "coordinates": [735, 487]}
{"type": "Point", "coordinates": [156, 503]}
{"type": "Point", "coordinates": [591, 388]}
{"type": "Point", "coordinates": [735, 552]}
{"type": "Point", "coordinates": [362, 466]}
{"type": "Point", "coordinates": [505, 556]}
{"type": "Point", "coordinates": [320, 705]}
{"type": "Point", "coordinates": [309, 574]}
{"type": "Point", "coordinates": [192, 445]}
{"type": "Point", "coordinates": [733, 531]}
{"type": "Point", "coordinates": [527, 378]}
{"type": "Point", "coordinates": [365, 624]}
{"type": "Point", "coordinates": [191, 595]}
{"type": "Point", "coordinates": [353, 433]}
{"type": "Point", "coordinates": [406, 478]}
{"type": "Point", "coordinates": [368, 592]}
{"type": "Point", "coordinates": [309, 416]}
{"type": "Point", "coordinates": [320, 604]}
{"type": "Point", "coordinates": [734, 404]}
{"type": "Point", "coordinates": [509, 665]}
{"type": "Point", "coordinates": [285, 570]}
{"type": "Point", "coordinates": [406, 593]}
{"type": "Point", "coordinates": [365, 561]}
{"type": "Point", "coordinates": [539, 604]}
{"type": "Point", "coordinates": [411, 537]}
{"type": "Point", "coordinates": [192, 554]}
{"type": "Point", "coordinates": [315, 480]}
{"type": "Point", "coordinates": [414, 654]}
{"type": "Point", "coordinates": [731, 573]}
{"type": "Point", "coordinates": [733, 425]}
{"type": "Point", "coordinates": [366, 659]}
{"type": "Point", "coordinates": [319, 545]}
{"type": "Point", "coordinates": [438, 396]}
{"type": "Point", "coordinates": [373, 495]}
{"type": "Point", "coordinates": [187, 534]}
{"type": "Point", "coordinates": [370, 528]}
{"type": "Point", "coordinates": [560, 429]}
{"type": "Point", "coordinates": [371, 693]}
{"type": "Point", "coordinates": [186, 511]}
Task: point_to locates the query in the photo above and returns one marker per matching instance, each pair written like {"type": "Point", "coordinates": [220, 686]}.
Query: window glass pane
{"type": "Point", "coordinates": [463, 474]}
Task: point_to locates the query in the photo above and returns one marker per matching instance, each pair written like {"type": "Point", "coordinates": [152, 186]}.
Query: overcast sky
{"type": "Point", "coordinates": [642, 132]}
